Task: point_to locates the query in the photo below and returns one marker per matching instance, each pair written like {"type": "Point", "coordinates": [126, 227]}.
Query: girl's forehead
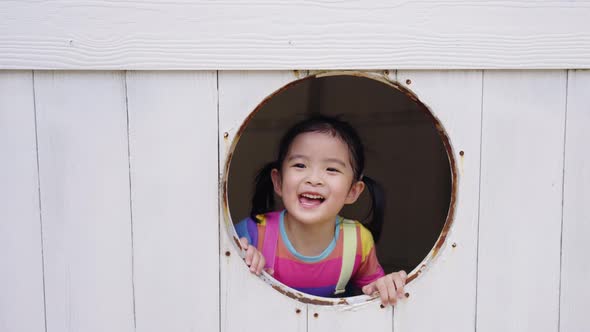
{"type": "Point", "coordinates": [319, 142]}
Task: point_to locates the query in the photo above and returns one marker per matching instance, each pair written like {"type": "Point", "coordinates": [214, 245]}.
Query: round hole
{"type": "Point", "coordinates": [407, 151]}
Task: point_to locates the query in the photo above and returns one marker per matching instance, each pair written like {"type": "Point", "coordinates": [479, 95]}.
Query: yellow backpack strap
{"type": "Point", "coordinates": [348, 254]}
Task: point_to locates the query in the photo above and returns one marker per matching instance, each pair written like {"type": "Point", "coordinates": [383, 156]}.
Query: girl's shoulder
{"type": "Point", "coordinates": [250, 228]}
{"type": "Point", "coordinates": [365, 242]}
{"type": "Point", "coordinates": [261, 219]}
{"type": "Point", "coordinates": [266, 218]}
{"type": "Point", "coordinates": [365, 233]}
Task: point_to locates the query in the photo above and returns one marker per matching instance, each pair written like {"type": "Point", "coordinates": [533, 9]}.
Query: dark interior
{"type": "Point", "coordinates": [404, 151]}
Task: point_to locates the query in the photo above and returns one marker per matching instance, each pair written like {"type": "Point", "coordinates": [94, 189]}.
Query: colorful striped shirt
{"type": "Point", "coordinates": [316, 275]}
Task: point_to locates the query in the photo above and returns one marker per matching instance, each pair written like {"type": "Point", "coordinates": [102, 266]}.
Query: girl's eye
{"type": "Point", "coordinates": [332, 169]}
{"type": "Point", "coordinates": [299, 165]}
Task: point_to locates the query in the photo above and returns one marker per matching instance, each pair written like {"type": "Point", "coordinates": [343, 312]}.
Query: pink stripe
{"type": "Point", "coordinates": [367, 279]}
{"type": "Point", "coordinates": [269, 247]}
{"type": "Point", "coordinates": [303, 275]}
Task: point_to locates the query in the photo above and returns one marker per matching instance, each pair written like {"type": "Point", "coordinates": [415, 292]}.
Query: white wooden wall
{"type": "Point", "coordinates": [289, 34]}
{"type": "Point", "coordinates": [110, 209]}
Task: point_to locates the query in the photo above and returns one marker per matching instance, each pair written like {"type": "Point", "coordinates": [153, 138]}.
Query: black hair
{"type": "Point", "coordinates": [263, 199]}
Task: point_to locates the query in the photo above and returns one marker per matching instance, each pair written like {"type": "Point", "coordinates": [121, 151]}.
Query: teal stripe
{"type": "Point", "coordinates": [308, 259]}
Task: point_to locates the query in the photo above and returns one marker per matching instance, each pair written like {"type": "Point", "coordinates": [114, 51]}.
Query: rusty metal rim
{"type": "Point", "coordinates": [426, 262]}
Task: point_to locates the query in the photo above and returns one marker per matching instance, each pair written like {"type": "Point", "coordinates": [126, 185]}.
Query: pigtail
{"type": "Point", "coordinates": [377, 207]}
{"type": "Point", "coordinates": [263, 198]}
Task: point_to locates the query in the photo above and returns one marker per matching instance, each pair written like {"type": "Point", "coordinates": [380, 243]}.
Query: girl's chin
{"type": "Point", "coordinates": [312, 215]}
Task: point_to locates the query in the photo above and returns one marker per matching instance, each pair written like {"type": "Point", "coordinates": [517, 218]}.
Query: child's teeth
{"type": "Point", "coordinates": [312, 196]}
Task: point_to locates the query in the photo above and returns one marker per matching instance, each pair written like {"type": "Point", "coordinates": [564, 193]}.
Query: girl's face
{"type": "Point", "coordinates": [316, 178]}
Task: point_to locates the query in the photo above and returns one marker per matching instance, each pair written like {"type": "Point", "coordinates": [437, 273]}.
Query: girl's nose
{"type": "Point", "coordinates": [314, 179]}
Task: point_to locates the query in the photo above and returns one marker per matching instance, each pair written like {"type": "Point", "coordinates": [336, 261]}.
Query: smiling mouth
{"type": "Point", "coordinates": [311, 200]}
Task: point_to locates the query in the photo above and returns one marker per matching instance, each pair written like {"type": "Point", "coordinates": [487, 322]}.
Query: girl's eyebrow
{"type": "Point", "coordinates": [296, 156]}
{"type": "Point", "coordinates": [330, 160]}
{"type": "Point", "coordinates": [336, 160]}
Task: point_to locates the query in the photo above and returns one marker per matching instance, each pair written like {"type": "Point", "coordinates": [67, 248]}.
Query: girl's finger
{"type": "Point", "coordinates": [391, 290]}
{"type": "Point", "coordinates": [369, 289]}
{"type": "Point", "coordinates": [244, 243]}
{"type": "Point", "coordinates": [382, 289]}
{"type": "Point", "coordinates": [254, 262]}
{"type": "Point", "coordinates": [249, 255]}
{"type": "Point", "coordinates": [261, 263]}
{"type": "Point", "coordinates": [404, 275]}
{"type": "Point", "coordinates": [399, 284]}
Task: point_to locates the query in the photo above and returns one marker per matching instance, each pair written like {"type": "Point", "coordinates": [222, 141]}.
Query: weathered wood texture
{"type": "Point", "coordinates": [364, 317]}
{"type": "Point", "coordinates": [241, 35]}
{"type": "Point", "coordinates": [455, 99]}
{"type": "Point", "coordinates": [575, 268]}
{"type": "Point", "coordinates": [120, 220]}
{"type": "Point", "coordinates": [84, 179]}
{"type": "Point", "coordinates": [247, 303]}
{"type": "Point", "coordinates": [172, 131]}
{"type": "Point", "coordinates": [21, 280]}
{"type": "Point", "coordinates": [521, 196]}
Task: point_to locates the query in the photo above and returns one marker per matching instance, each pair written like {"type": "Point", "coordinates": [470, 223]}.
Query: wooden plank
{"type": "Point", "coordinates": [455, 99]}
{"type": "Point", "coordinates": [174, 190]}
{"type": "Point", "coordinates": [247, 303]}
{"type": "Point", "coordinates": [521, 195]}
{"type": "Point", "coordinates": [201, 34]}
{"type": "Point", "coordinates": [575, 268]}
{"type": "Point", "coordinates": [368, 316]}
{"type": "Point", "coordinates": [84, 178]}
{"type": "Point", "coordinates": [21, 257]}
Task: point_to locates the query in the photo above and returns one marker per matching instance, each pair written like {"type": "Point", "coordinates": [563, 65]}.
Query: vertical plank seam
{"type": "Point", "coordinates": [130, 203]}
{"type": "Point", "coordinates": [219, 203]}
{"type": "Point", "coordinates": [562, 201]}
{"type": "Point", "coordinates": [307, 307]}
{"type": "Point", "coordinates": [393, 310]}
{"type": "Point", "coordinates": [39, 201]}
{"type": "Point", "coordinates": [479, 197]}
{"type": "Point", "coordinates": [395, 77]}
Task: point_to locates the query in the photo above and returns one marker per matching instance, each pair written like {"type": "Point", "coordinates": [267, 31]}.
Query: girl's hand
{"type": "Point", "coordinates": [390, 287]}
{"type": "Point", "coordinates": [254, 258]}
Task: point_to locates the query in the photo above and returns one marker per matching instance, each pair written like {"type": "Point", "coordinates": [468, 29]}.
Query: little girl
{"type": "Point", "coordinates": [308, 246]}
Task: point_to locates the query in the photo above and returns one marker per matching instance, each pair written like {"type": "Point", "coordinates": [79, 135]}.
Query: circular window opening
{"type": "Point", "coordinates": [407, 152]}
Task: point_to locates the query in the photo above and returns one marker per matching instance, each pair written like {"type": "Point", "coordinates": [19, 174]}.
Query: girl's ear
{"type": "Point", "coordinates": [354, 192]}
{"type": "Point", "coordinates": [276, 181]}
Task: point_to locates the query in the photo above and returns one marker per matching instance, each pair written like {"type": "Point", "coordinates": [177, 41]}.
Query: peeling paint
{"type": "Point", "coordinates": [237, 242]}
{"type": "Point", "coordinates": [461, 161]}
{"type": "Point", "coordinates": [307, 299]}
